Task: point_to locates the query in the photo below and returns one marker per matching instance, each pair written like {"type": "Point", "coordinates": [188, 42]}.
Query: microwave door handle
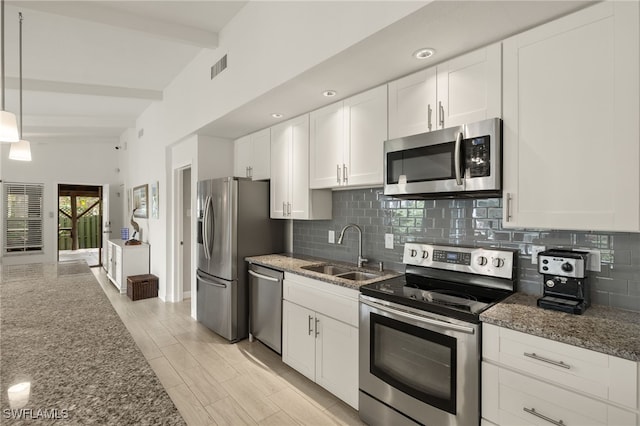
{"type": "Point", "coordinates": [457, 159]}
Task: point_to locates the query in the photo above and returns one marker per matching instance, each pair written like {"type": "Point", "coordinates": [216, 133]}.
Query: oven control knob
{"type": "Point", "coordinates": [425, 254]}
{"type": "Point", "coordinates": [550, 283]}
{"type": "Point", "coordinates": [482, 260]}
{"type": "Point", "coordinates": [498, 262]}
{"type": "Point", "coordinates": [567, 267]}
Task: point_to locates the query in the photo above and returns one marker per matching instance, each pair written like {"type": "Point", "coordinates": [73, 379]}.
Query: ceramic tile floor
{"type": "Point", "coordinates": [215, 383]}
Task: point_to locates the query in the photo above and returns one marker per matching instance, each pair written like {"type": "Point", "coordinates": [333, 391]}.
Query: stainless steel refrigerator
{"type": "Point", "coordinates": [233, 222]}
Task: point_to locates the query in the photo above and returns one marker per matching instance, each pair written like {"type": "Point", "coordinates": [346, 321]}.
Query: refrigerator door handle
{"type": "Point", "coordinates": [205, 280]}
{"type": "Point", "coordinates": [210, 231]}
{"type": "Point", "coordinates": [205, 238]}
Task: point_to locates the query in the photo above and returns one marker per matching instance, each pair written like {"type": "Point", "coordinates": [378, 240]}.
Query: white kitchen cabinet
{"type": "Point", "coordinates": [252, 155]}
{"type": "Point", "coordinates": [291, 197]}
{"type": "Point", "coordinates": [347, 141]}
{"type": "Point", "coordinates": [320, 334]}
{"type": "Point", "coordinates": [124, 261]}
{"type": "Point", "coordinates": [462, 90]}
{"type": "Point", "coordinates": [571, 107]}
{"type": "Point", "coordinates": [525, 377]}
{"type": "Point", "coordinates": [413, 104]}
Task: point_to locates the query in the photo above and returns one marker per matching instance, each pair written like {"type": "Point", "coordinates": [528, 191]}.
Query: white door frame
{"type": "Point", "coordinates": [177, 293]}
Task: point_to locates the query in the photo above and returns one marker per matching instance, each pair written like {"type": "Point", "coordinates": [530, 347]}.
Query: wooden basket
{"type": "Point", "coordinates": [142, 286]}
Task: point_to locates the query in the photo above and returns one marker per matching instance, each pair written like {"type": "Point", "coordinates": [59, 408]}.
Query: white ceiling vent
{"type": "Point", "coordinates": [219, 66]}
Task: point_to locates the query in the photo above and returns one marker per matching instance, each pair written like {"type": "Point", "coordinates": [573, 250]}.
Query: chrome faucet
{"type": "Point", "coordinates": [361, 260]}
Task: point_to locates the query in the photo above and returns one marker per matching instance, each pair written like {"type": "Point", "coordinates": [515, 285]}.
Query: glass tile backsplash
{"type": "Point", "coordinates": [474, 222]}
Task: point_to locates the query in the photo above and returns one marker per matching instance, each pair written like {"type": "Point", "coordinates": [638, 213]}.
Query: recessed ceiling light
{"type": "Point", "coordinates": [329, 93]}
{"type": "Point", "coordinates": [277, 115]}
{"type": "Point", "coordinates": [424, 53]}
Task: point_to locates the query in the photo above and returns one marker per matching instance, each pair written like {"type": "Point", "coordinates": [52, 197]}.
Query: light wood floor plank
{"type": "Point", "coordinates": [190, 408]}
{"type": "Point", "coordinates": [227, 412]}
{"type": "Point", "coordinates": [165, 372]}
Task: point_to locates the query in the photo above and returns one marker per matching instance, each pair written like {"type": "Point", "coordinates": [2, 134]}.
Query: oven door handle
{"type": "Point", "coordinates": [427, 320]}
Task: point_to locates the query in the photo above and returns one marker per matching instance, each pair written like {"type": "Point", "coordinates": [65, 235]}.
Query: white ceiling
{"type": "Point", "coordinates": [78, 58]}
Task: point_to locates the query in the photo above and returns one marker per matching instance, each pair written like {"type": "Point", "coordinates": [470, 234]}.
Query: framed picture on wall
{"type": "Point", "coordinates": [155, 207]}
{"type": "Point", "coordinates": [140, 197]}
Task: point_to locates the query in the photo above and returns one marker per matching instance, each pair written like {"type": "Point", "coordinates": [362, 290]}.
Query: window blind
{"type": "Point", "coordinates": [23, 219]}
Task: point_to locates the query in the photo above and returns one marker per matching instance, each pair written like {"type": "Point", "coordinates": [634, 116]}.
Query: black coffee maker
{"type": "Point", "coordinates": [566, 286]}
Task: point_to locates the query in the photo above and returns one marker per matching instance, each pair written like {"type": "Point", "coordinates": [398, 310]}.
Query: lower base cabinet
{"type": "Point", "coordinates": [528, 380]}
{"type": "Point", "coordinates": [319, 346]}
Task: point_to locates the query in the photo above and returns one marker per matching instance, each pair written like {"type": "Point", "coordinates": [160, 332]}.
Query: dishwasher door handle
{"type": "Point", "coordinates": [263, 277]}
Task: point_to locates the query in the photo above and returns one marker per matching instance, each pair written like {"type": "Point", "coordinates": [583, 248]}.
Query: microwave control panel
{"type": "Point", "coordinates": [478, 156]}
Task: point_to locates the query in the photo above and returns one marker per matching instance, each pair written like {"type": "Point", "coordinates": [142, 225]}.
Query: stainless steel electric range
{"type": "Point", "coordinates": [420, 335]}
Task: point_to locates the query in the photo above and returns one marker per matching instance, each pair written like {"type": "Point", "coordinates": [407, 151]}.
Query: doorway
{"type": "Point", "coordinates": [80, 223]}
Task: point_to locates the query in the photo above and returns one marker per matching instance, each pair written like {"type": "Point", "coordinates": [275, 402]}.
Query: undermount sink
{"type": "Point", "coordinates": [358, 276]}
{"type": "Point", "coordinates": [326, 269]}
{"type": "Point", "coordinates": [340, 272]}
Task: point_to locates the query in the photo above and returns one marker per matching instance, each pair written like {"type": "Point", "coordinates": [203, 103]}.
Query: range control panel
{"type": "Point", "coordinates": [491, 262]}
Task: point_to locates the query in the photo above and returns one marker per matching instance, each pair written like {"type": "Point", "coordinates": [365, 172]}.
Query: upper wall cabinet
{"type": "Point", "coordinates": [291, 197]}
{"type": "Point", "coordinates": [347, 141]}
{"type": "Point", "coordinates": [459, 91]}
{"type": "Point", "coordinates": [571, 130]}
{"type": "Point", "coordinates": [252, 155]}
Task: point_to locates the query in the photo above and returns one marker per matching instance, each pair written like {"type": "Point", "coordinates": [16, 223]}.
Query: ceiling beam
{"type": "Point", "coordinates": [96, 12]}
{"type": "Point", "coordinates": [83, 89]}
{"type": "Point", "coordinates": [104, 121]}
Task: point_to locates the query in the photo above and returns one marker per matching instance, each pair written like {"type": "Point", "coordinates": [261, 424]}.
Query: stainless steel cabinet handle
{"type": "Point", "coordinates": [317, 331]}
{"type": "Point", "coordinates": [547, 360]}
{"type": "Point", "coordinates": [338, 173]}
{"type": "Point", "coordinates": [246, 172]}
{"type": "Point", "coordinates": [250, 172]}
{"type": "Point", "coordinates": [457, 159]}
{"type": "Point", "coordinates": [345, 177]}
{"type": "Point", "coordinates": [508, 214]}
{"type": "Point", "coordinates": [533, 411]}
{"type": "Point", "coordinates": [310, 325]}
{"type": "Point", "coordinates": [441, 111]}
{"type": "Point", "coordinates": [263, 277]}
{"type": "Point", "coordinates": [284, 208]}
{"type": "Point", "coordinates": [288, 209]}
{"type": "Point", "coordinates": [429, 116]}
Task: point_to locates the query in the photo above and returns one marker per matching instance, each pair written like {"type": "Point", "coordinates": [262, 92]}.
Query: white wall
{"type": "Point", "coordinates": [52, 164]}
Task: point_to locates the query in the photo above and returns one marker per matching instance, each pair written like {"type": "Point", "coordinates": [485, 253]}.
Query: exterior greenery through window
{"type": "Point", "coordinates": [23, 220]}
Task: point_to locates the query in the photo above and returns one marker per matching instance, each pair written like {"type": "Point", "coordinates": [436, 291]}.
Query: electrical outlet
{"type": "Point", "coordinates": [332, 237]}
{"type": "Point", "coordinates": [594, 259]}
{"type": "Point", "coordinates": [534, 253]}
{"type": "Point", "coordinates": [388, 241]}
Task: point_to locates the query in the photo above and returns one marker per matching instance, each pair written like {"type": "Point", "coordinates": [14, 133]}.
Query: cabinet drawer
{"type": "Point", "coordinates": [334, 301]}
{"type": "Point", "coordinates": [607, 377]}
{"type": "Point", "coordinates": [518, 399]}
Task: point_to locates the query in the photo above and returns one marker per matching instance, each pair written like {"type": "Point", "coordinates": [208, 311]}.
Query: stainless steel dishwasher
{"type": "Point", "coordinates": [265, 306]}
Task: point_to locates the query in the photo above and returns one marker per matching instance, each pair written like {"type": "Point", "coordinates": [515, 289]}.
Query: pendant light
{"type": "Point", "coordinates": [20, 151]}
{"type": "Point", "coordinates": [8, 125]}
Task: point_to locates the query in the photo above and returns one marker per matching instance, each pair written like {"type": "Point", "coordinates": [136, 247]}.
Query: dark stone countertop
{"type": "Point", "coordinates": [61, 335]}
{"type": "Point", "coordinates": [293, 263]}
{"type": "Point", "coordinates": [602, 329]}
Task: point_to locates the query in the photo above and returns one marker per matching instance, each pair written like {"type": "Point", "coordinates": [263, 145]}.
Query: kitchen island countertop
{"type": "Point", "coordinates": [602, 329]}
{"type": "Point", "coordinates": [70, 353]}
{"type": "Point", "coordinates": [294, 264]}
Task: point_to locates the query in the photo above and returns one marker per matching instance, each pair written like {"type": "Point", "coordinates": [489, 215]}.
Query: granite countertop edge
{"type": "Point", "coordinates": [602, 329]}
{"type": "Point", "coordinates": [293, 263]}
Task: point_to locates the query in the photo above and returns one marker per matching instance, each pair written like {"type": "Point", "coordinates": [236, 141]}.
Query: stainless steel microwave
{"type": "Point", "coordinates": [455, 162]}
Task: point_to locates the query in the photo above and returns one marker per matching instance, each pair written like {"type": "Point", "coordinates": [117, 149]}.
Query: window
{"type": "Point", "coordinates": [23, 222]}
